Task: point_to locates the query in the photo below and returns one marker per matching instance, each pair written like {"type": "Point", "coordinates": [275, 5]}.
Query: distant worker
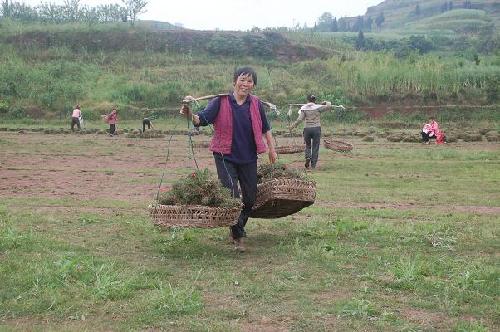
{"type": "Point", "coordinates": [310, 113]}
{"type": "Point", "coordinates": [75, 118]}
{"type": "Point", "coordinates": [431, 130]}
{"type": "Point", "coordinates": [147, 122]}
{"type": "Point", "coordinates": [112, 119]}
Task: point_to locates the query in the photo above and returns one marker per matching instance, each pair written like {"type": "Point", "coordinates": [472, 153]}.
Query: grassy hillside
{"type": "Point", "coordinates": [460, 21]}
{"type": "Point", "coordinates": [46, 69]}
{"type": "Point", "coordinates": [399, 14]}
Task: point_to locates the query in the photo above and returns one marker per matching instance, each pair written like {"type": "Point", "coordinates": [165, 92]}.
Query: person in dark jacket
{"type": "Point", "coordinates": [147, 122]}
{"type": "Point", "coordinates": [240, 124]}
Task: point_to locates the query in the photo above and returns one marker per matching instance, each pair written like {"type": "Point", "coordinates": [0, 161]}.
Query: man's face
{"type": "Point", "coordinates": [243, 85]}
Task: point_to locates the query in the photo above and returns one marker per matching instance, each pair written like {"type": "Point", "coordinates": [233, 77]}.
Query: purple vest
{"type": "Point", "coordinates": [223, 127]}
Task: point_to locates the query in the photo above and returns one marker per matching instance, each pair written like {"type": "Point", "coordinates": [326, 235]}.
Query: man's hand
{"type": "Point", "coordinates": [188, 99]}
{"type": "Point", "coordinates": [185, 105]}
{"type": "Point", "coordinates": [273, 156]}
{"type": "Point", "coordinates": [270, 145]}
{"type": "Point", "coordinates": [185, 110]}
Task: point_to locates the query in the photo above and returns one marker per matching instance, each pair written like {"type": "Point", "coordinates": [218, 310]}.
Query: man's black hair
{"type": "Point", "coordinates": [247, 71]}
{"type": "Point", "coordinates": [311, 98]}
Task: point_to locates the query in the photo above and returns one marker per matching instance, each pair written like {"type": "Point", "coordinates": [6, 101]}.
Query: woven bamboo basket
{"type": "Point", "coordinates": [282, 197]}
{"type": "Point", "coordinates": [167, 216]}
{"type": "Point", "coordinates": [337, 145]}
{"type": "Point", "coordinates": [290, 149]}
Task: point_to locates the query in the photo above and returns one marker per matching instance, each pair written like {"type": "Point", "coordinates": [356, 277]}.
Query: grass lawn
{"type": "Point", "coordinates": [402, 237]}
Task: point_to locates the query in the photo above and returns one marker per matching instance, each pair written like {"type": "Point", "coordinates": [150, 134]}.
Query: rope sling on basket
{"type": "Point", "coordinates": [282, 196]}
{"type": "Point", "coordinates": [196, 215]}
{"type": "Point", "coordinates": [337, 145]}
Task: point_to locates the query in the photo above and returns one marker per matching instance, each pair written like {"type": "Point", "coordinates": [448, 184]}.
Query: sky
{"type": "Point", "coordinates": [238, 14]}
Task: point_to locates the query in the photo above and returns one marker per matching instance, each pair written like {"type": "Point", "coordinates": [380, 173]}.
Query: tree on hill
{"type": "Point", "coordinates": [5, 8]}
{"type": "Point", "coordinates": [326, 23]}
{"type": "Point", "coordinates": [72, 10]}
{"type": "Point", "coordinates": [420, 44]}
{"type": "Point", "coordinates": [134, 8]}
{"type": "Point", "coordinates": [417, 10]}
{"type": "Point", "coordinates": [360, 41]}
{"type": "Point", "coordinates": [359, 24]}
{"type": "Point", "coordinates": [343, 25]}
{"type": "Point", "coordinates": [334, 27]}
{"type": "Point", "coordinates": [448, 5]}
{"type": "Point", "coordinates": [18, 11]}
{"type": "Point", "coordinates": [380, 19]}
{"type": "Point", "coordinates": [368, 24]}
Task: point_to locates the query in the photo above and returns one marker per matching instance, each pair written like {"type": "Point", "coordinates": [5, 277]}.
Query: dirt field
{"type": "Point", "coordinates": [55, 166]}
{"type": "Point", "coordinates": [95, 166]}
{"type": "Point", "coordinates": [98, 167]}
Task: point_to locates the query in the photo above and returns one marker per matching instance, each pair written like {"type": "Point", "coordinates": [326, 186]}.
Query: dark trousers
{"type": "Point", "coordinates": [146, 122]}
{"type": "Point", "coordinates": [312, 138]}
{"type": "Point", "coordinates": [75, 121]}
{"type": "Point", "coordinates": [112, 128]}
{"type": "Point", "coordinates": [426, 137]}
{"type": "Point", "coordinates": [230, 175]}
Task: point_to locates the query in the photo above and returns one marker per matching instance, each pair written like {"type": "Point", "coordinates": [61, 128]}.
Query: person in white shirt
{"type": "Point", "coordinates": [310, 113]}
{"type": "Point", "coordinates": [75, 118]}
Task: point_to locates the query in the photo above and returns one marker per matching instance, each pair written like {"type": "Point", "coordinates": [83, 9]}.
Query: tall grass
{"type": "Point", "coordinates": [55, 79]}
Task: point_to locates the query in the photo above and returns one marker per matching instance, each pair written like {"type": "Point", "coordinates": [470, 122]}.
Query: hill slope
{"type": "Point", "coordinates": [458, 16]}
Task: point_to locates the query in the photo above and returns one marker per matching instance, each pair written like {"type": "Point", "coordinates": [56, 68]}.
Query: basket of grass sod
{"type": "Point", "coordinates": [337, 145]}
{"type": "Point", "coordinates": [290, 149]}
{"type": "Point", "coordinates": [198, 200]}
{"type": "Point", "coordinates": [281, 191]}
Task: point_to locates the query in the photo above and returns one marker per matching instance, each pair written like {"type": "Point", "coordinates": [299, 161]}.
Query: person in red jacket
{"type": "Point", "coordinates": [431, 131]}
{"type": "Point", "coordinates": [240, 124]}
{"type": "Point", "coordinates": [112, 120]}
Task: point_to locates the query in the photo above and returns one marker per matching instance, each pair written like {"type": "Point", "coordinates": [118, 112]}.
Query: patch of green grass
{"type": "Point", "coordinates": [473, 326]}
{"type": "Point", "coordinates": [413, 236]}
{"type": "Point", "coordinates": [165, 301]}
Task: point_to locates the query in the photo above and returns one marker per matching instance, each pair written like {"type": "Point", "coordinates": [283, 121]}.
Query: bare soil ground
{"type": "Point", "coordinates": [98, 167]}
{"type": "Point", "coordinates": [89, 167]}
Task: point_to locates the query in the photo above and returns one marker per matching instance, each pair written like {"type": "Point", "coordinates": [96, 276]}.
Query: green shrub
{"type": "Point", "coordinates": [278, 170]}
{"type": "Point", "coordinates": [4, 106]}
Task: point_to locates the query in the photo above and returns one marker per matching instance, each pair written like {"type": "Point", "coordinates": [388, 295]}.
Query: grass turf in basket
{"type": "Point", "coordinates": [266, 172]}
{"type": "Point", "coordinates": [199, 188]}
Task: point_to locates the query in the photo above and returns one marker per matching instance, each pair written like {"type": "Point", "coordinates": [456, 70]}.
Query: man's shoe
{"type": "Point", "coordinates": [239, 245]}
{"type": "Point", "coordinates": [308, 163]}
{"type": "Point", "coordinates": [231, 238]}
